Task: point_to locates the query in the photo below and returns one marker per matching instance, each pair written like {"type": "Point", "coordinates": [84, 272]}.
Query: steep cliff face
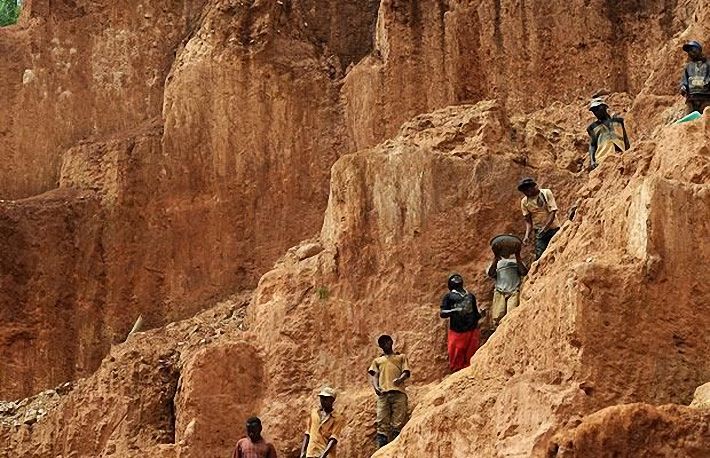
{"type": "Point", "coordinates": [211, 174]}
{"type": "Point", "coordinates": [433, 53]}
{"type": "Point", "coordinates": [77, 69]}
{"type": "Point", "coordinates": [237, 129]}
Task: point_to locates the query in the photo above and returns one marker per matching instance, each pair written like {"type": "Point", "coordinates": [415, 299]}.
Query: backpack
{"type": "Point", "coordinates": [466, 303]}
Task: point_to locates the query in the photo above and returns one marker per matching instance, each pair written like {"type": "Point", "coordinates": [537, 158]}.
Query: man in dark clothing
{"type": "Point", "coordinates": [459, 306]}
{"type": "Point", "coordinates": [695, 84]}
{"type": "Point", "coordinates": [254, 446]}
{"type": "Point", "coordinates": [607, 133]}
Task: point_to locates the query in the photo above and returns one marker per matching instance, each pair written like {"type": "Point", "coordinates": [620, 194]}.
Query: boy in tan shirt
{"type": "Point", "coordinates": [323, 429]}
{"type": "Point", "coordinates": [387, 375]}
{"type": "Point", "coordinates": [540, 212]}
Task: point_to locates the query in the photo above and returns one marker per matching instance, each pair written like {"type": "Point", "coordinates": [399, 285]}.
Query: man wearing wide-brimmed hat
{"type": "Point", "coordinates": [323, 428]}
{"type": "Point", "coordinates": [607, 133]}
{"type": "Point", "coordinates": [695, 83]}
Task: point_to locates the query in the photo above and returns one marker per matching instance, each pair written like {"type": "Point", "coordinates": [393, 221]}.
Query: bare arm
{"type": "Point", "coordinates": [528, 227]}
{"type": "Point", "coordinates": [399, 380]}
{"type": "Point", "coordinates": [627, 143]}
{"type": "Point", "coordinates": [684, 83]}
{"type": "Point", "coordinates": [549, 221]}
{"type": "Point", "coordinates": [522, 268]}
{"type": "Point", "coordinates": [304, 447]}
{"type": "Point", "coordinates": [329, 447]}
{"type": "Point", "coordinates": [375, 382]}
{"type": "Point", "coordinates": [592, 148]}
{"type": "Point", "coordinates": [494, 267]}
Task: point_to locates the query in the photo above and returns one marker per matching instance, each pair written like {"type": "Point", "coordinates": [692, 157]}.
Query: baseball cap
{"type": "Point", "coordinates": [692, 44]}
{"type": "Point", "coordinates": [328, 392]}
{"type": "Point", "coordinates": [597, 102]}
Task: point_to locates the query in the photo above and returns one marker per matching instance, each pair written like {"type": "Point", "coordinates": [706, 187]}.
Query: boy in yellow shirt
{"type": "Point", "coordinates": [387, 375]}
{"type": "Point", "coordinates": [323, 429]}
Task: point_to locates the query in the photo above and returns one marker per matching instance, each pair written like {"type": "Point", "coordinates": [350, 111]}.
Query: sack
{"type": "Point", "coordinates": [465, 303]}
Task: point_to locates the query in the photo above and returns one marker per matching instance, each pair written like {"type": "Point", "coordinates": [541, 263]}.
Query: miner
{"type": "Point", "coordinates": [464, 336]}
{"type": "Point", "coordinates": [323, 428]}
{"type": "Point", "coordinates": [387, 375]}
{"type": "Point", "coordinates": [540, 213]}
{"type": "Point", "coordinates": [508, 273]}
{"type": "Point", "coordinates": [254, 446]}
{"type": "Point", "coordinates": [607, 133]}
{"type": "Point", "coordinates": [695, 83]}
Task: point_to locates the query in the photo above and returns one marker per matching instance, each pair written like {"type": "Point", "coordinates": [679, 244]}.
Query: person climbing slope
{"type": "Point", "coordinates": [459, 306]}
{"type": "Point", "coordinates": [540, 213]}
{"type": "Point", "coordinates": [387, 376]}
{"type": "Point", "coordinates": [254, 446]}
{"type": "Point", "coordinates": [323, 428]}
{"type": "Point", "coordinates": [695, 82]}
{"type": "Point", "coordinates": [607, 133]}
{"type": "Point", "coordinates": [507, 273]}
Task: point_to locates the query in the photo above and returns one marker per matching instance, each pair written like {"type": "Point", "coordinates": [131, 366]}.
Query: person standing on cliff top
{"type": "Point", "coordinates": [323, 428]}
{"type": "Point", "coordinates": [254, 446]}
{"type": "Point", "coordinates": [387, 375]}
{"type": "Point", "coordinates": [607, 133]}
{"type": "Point", "coordinates": [507, 273]}
{"type": "Point", "coordinates": [464, 337]}
{"type": "Point", "coordinates": [540, 213]}
{"type": "Point", "coordinates": [695, 83]}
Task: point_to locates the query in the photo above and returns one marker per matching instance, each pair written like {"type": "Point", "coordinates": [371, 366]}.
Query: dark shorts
{"type": "Point", "coordinates": [543, 240]}
{"type": "Point", "coordinates": [698, 105]}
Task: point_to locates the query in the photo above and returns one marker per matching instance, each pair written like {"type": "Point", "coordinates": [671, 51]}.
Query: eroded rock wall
{"type": "Point", "coordinates": [432, 53]}
{"type": "Point", "coordinates": [238, 130]}
{"type": "Point", "coordinates": [76, 69]}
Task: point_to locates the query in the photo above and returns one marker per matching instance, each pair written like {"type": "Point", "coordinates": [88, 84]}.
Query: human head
{"type": "Point", "coordinates": [385, 342]}
{"type": "Point", "coordinates": [694, 49]}
{"type": "Point", "coordinates": [599, 107]}
{"type": "Point", "coordinates": [528, 186]}
{"type": "Point", "coordinates": [455, 281]}
{"type": "Point", "coordinates": [327, 397]}
{"type": "Point", "coordinates": [254, 428]}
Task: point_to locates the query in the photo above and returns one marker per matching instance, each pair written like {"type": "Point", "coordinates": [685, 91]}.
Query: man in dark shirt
{"type": "Point", "coordinates": [695, 83]}
{"type": "Point", "coordinates": [459, 306]}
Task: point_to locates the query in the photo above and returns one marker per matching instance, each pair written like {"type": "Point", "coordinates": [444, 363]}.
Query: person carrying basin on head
{"type": "Point", "coordinates": [695, 82]}
{"type": "Point", "coordinates": [323, 428]}
{"type": "Point", "coordinates": [540, 213]}
{"type": "Point", "coordinates": [387, 376]}
{"type": "Point", "coordinates": [507, 270]}
{"type": "Point", "coordinates": [254, 446]}
{"type": "Point", "coordinates": [607, 134]}
{"type": "Point", "coordinates": [464, 337]}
